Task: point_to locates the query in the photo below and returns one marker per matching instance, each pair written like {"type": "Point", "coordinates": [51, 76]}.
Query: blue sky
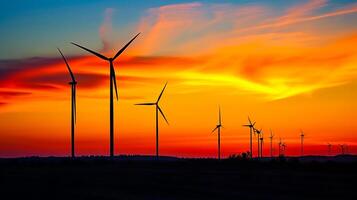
{"type": "Point", "coordinates": [35, 28]}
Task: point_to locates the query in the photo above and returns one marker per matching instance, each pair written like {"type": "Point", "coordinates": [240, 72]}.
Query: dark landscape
{"type": "Point", "coordinates": [143, 177]}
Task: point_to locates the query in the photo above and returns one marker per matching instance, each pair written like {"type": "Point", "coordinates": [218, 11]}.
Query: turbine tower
{"type": "Point", "coordinates": [158, 109]}
{"type": "Point", "coordinates": [258, 136]}
{"type": "Point", "coordinates": [261, 144]}
{"type": "Point", "coordinates": [218, 127]}
{"type": "Point", "coordinates": [251, 129]}
{"type": "Point", "coordinates": [302, 135]}
{"type": "Point", "coordinates": [112, 83]}
{"type": "Point", "coordinates": [271, 143]}
{"type": "Point", "coordinates": [73, 84]}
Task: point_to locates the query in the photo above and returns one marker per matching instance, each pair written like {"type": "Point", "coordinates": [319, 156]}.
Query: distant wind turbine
{"type": "Point", "coordinates": [280, 143]}
{"type": "Point", "coordinates": [73, 84]}
{"type": "Point", "coordinates": [342, 149]}
{"type": "Point", "coordinates": [112, 83]}
{"type": "Point", "coordinates": [261, 144]}
{"type": "Point", "coordinates": [271, 143]}
{"type": "Point", "coordinates": [302, 135]}
{"type": "Point", "coordinates": [258, 136]}
{"type": "Point", "coordinates": [251, 129]}
{"type": "Point", "coordinates": [329, 146]}
{"type": "Point", "coordinates": [218, 127]}
{"type": "Point", "coordinates": [158, 109]}
{"type": "Point", "coordinates": [284, 148]}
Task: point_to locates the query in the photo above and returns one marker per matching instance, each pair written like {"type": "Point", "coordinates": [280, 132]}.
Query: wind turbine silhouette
{"type": "Point", "coordinates": [302, 135]}
{"type": "Point", "coordinates": [251, 129]}
{"type": "Point", "coordinates": [218, 127]}
{"type": "Point", "coordinates": [261, 144]}
{"type": "Point", "coordinates": [258, 136]}
{"type": "Point", "coordinates": [284, 147]}
{"type": "Point", "coordinates": [112, 83]}
{"type": "Point", "coordinates": [158, 109]}
{"type": "Point", "coordinates": [73, 84]}
{"type": "Point", "coordinates": [329, 148]}
{"type": "Point", "coordinates": [342, 149]}
{"type": "Point", "coordinates": [271, 143]}
{"type": "Point", "coordinates": [280, 143]}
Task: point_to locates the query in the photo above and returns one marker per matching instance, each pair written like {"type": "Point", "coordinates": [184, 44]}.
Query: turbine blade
{"type": "Point", "coordinates": [90, 51]}
{"type": "Point", "coordinates": [144, 104]}
{"type": "Point", "coordinates": [162, 113]}
{"type": "Point", "coordinates": [122, 49]}
{"type": "Point", "coordinates": [68, 67]}
{"type": "Point", "coordinates": [115, 81]}
{"type": "Point", "coordinates": [214, 129]}
{"type": "Point", "coordinates": [250, 122]}
{"type": "Point", "coordinates": [158, 99]}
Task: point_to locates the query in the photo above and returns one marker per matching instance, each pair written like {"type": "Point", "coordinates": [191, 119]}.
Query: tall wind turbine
{"type": "Point", "coordinates": [271, 143]}
{"type": "Point", "coordinates": [302, 135]}
{"type": "Point", "coordinates": [258, 136]}
{"type": "Point", "coordinates": [218, 127]}
{"type": "Point", "coordinates": [158, 109]}
{"type": "Point", "coordinates": [113, 83]}
{"type": "Point", "coordinates": [251, 129]}
{"type": "Point", "coordinates": [73, 84]}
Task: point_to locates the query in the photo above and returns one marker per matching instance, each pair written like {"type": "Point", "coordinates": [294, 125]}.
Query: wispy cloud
{"type": "Point", "coordinates": [276, 63]}
{"type": "Point", "coordinates": [106, 29]}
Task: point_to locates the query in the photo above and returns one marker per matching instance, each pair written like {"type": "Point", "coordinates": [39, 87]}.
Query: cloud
{"type": "Point", "coordinates": [48, 74]}
{"type": "Point", "coordinates": [211, 44]}
{"type": "Point", "coordinates": [300, 15]}
{"type": "Point", "coordinates": [229, 48]}
{"type": "Point", "coordinates": [10, 94]}
{"type": "Point", "coordinates": [106, 29]}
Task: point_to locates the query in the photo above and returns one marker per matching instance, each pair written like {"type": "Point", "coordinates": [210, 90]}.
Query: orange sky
{"type": "Point", "coordinates": [289, 72]}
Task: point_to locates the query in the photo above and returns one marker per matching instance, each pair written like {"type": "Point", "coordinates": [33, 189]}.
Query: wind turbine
{"type": "Point", "coordinates": [284, 148]}
{"type": "Point", "coordinates": [261, 144]}
{"type": "Point", "coordinates": [329, 148]}
{"type": "Point", "coordinates": [280, 143]}
{"type": "Point", "coordinates": [112, 83]}
{"type": "Point", "coordinates": [342, 149]}
{"type": "Point", "coordinates": [218, 127]}
{"type": "Point", "coordinates": [258, 136]}
{"type": "Point", "coordinates": [251, 129]}
{"type": "Point", "coordinates": [73, 84]}
{"type": "Point", "coordinates": [346, 148]}
{"type": "Point", "coordinates": [158, 109]}
{"type": "Point", "coordinates": [271, 143]}
{"type": "Point", "coordinates": [302, 135]}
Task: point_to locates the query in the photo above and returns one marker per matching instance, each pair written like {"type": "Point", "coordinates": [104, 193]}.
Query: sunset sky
{"type": "Point", "coordinates": [289, 65]}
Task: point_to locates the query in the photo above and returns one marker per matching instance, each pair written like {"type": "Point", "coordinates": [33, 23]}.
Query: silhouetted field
{"type": "Point", "coordinates": [171, 178]}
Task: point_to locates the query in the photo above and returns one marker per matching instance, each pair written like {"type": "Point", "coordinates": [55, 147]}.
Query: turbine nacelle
{"type": "Point", "coordinates": [156, 104]}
